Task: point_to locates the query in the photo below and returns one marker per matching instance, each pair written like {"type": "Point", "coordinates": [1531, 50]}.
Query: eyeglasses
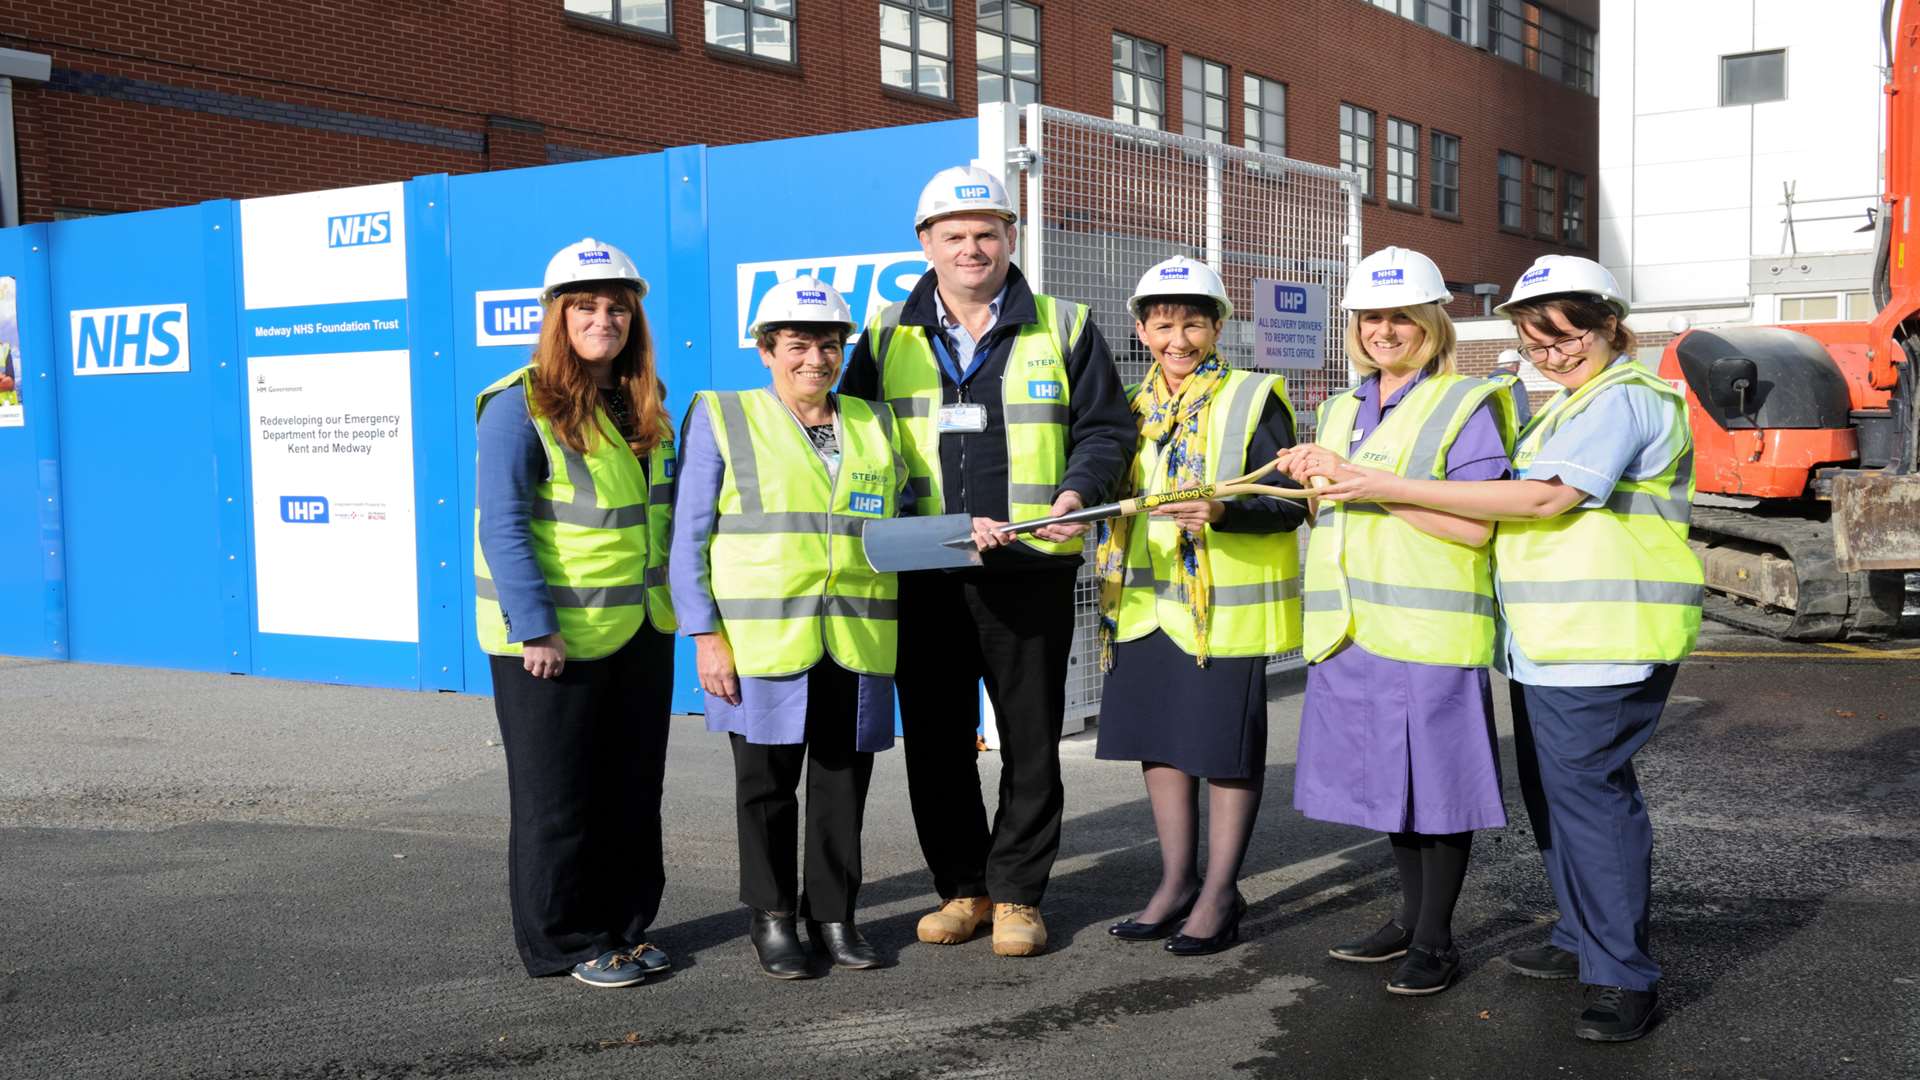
{"type": "Point", "coordinates": [1566, 346]}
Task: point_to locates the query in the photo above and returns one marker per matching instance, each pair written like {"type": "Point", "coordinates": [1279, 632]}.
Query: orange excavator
{"type": "Point", "coordinates": [1807, 437]}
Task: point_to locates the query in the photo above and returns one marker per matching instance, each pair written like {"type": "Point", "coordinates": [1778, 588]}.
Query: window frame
{"type": "Point", "coordinates": [1136, 74]}
{"type": "Point", "coordinates": [613, 22]}
{"type": "Point", "coordinates": [1573, 209]}
{"type": "Point", "coordinates": [1529, 44]}
{"type": "Point", "coordinates": [1350, 135]}
{"type": "Point", "coordinates": [1544, 179]}
{"type": "Point", "coordinates": [917, 11]}
{"type": "Point", "coordinates": [1189, 64]}
{"type": "Point", "coordinates": [1441, 179]}
{"type": "Point", "coordinates": [1395, 152]}
{"type": "Point", "coordinates": [1756, 54]}
{"type": "Point", "coordinates": [750, 8]}
{"type": "Point", "coordinates": [1518, 202]}
{"type": "Point", "coordinates": [1253, 117]}
{"type": "Point", "coordinates": [1008, 38]}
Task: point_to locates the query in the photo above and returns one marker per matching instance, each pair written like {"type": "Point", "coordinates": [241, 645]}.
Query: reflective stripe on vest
{"type": "Point", "coordinates": [596, 519]}
{"type": "Point", "coordinates": [1610, 584]}
{"type": "Point", "coordinates": [1034, 402]}
{"type": "Point", "coordinates": [1255, 604]}
{"type": "Point", "coordinates": [785, 565]}
{"type": "Point", "coordinates": [1394, 590]}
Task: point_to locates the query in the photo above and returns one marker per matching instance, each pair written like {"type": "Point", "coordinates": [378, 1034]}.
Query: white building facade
{"type": "Point", "coordinates": [1740, 155]}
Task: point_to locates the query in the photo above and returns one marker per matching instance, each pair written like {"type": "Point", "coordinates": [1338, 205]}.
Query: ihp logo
{"type": "Point", "coordinates": [1289, 299]}
{"type": "Point", "coordinates": [972, 191]}
{"type": "Point", "coordinates": [130, 340]}
{"type": "Point", "coordinates": [357, 230]}
{"type": "Point", "coordinates": [1044, 391]}
{"type": "Point", "coordinates": [1394, 276]}
{"type": "Point", "coordinates": [303, 509]}
{"type": "Point", "coordinates": [864, 503]}
{"type": "Point", "coordinates": [866, 282]}
{"type": "Point", "coordinates": [1532, 276]}
{"type": "Point", "coordinates": [506, 317]}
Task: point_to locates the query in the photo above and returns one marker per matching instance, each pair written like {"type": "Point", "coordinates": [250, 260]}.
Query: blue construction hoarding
{"type": "Point", "coordinates": [239, 436]}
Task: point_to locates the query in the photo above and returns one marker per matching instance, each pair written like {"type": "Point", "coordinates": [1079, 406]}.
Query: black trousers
{"type": "Point", "coordinates": [1015, 632]}
{"type": "Point", "coordinates": [764, 781]}
{"type": "Point", "coordinates": [586, 756]}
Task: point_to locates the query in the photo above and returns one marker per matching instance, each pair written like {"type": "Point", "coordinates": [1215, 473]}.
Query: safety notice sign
{"type": "Point", "coordinates": [1290, 325]}
{"type": "Point", "coordinates": [331, 414]}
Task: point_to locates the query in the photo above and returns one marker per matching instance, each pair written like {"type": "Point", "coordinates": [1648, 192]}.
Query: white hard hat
{"type": "Point", "coordinates": [1394, 277]}
{"type": "Point", "coordinates": [803, 299]}
{"type": "Point", "coordinates": [586, 262]}
{"type": "Point", "coordinates": [1180, 276]}
{"type": "Point", "coordinates": [1557, 275]}
{"type": "Point", "coordinates": [963, 189]}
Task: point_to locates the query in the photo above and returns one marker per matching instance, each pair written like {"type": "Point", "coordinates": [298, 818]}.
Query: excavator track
{"type": "Point", "coordinates": [1823, 604]}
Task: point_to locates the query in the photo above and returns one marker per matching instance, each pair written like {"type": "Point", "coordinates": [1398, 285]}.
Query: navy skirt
{"type": "Point", "coordinates": [1159, 706]}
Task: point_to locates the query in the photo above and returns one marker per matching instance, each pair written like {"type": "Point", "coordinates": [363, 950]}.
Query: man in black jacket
{"type": "Point", "coordinates": [1009, 407]}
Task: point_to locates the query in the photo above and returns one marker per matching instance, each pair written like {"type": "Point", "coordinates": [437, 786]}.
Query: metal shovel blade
{"type": "Point", "coordinates": [920, 543]}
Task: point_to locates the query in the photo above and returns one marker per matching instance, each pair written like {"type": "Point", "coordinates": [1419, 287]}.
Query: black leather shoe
{"type": "Point", "coordinates": [1617, 1014]}
{"type": "Point", "coordinates": [1229, 935]}
{"type": "Point", "coordinates": [778, 944]}
{"type": "Point", "coordinates": [1387, 943]}
{"type": "Point", "coordinates": [1545, 962]}
{"type": "Point", "coordinates": [1424, 972]}
{"type": "Point", "coordinates": [1135, 930]}
{"type": "Point", "coordinates": [844, 943]}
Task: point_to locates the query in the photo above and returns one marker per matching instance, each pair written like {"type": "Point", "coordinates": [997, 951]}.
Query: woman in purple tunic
{"type": "Point", "coordinates": [1397, 729]}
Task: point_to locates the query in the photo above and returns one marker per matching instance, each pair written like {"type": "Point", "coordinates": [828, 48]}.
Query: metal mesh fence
{"type": "Point", "coordinates": [1105, 201]}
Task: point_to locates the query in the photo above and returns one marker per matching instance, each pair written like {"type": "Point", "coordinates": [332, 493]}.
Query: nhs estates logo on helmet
{"type": "Point", "coordinates": [358, 230]}
{"type": "Point", "coordinates": [867, 283]}
{"type": "Point", "coordinates": [130, 340]}
{"type": "Point", "coordinates": [1175, 273]}
{"type": "Point", "coordinates": [506, 317]}
{"type": "Point", "coordinates": [596, 257]}
{"type": "Point", "coordinates": [972, 191]}
{"type": "Point", "coordinates": [1391, 276]}
{"type": "Point", "coordinates": [1534, 277]}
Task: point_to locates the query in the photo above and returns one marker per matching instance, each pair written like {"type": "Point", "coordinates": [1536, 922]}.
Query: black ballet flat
{"type": "Point", "coordinates": [1135, 930]}
{"type": "Point", "coordinates": [1228, 937]}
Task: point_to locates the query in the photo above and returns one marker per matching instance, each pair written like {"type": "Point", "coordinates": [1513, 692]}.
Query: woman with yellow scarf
{"type": "Point", "coordinates": [1193, 599]}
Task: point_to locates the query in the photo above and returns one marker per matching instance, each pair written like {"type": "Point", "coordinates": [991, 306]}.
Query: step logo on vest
{"type": "Point", "coordinates": [131, 340]}
{"type": "Point", "coordinates": [867, 282]}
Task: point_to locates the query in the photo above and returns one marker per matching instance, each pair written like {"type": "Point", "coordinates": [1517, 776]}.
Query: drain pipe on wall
{"type": "Point", "coordinates": [31, 67]}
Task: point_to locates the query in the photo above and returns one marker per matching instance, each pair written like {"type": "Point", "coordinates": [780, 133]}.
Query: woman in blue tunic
{"type": "Point", "coordinates": [1396, 732]}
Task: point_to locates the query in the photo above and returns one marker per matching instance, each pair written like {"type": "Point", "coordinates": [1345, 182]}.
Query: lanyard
{"type": "Point", "coordinates": [947, 362]}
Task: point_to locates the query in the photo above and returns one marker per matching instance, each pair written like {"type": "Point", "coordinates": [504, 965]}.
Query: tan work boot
{"type": "Point", "coordinates": [1017, 930]}
{"type": "Point", "coordinates": [956, 920]}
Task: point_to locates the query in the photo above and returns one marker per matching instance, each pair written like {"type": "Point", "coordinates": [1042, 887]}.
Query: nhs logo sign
{"type": "Point", "coordinates": [867, 283]}
{"type": "Point", "coordinates": [303, 509]}
{"type": "Point", "coordinates": [506, 317]}
{"type": "Point", "coordinates": [1289, 299]}
{"type": "Point", "coordinates": [130, 340]}
{"type": "Point", "coordinates": [356, 230]}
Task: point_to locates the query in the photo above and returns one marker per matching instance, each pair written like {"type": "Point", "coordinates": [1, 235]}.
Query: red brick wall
{"type": "Point", "coordinates": [505, 83]}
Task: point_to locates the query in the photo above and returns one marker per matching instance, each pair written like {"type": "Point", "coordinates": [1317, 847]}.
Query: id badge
{"type": "Point", "coordinates": [970, 417]}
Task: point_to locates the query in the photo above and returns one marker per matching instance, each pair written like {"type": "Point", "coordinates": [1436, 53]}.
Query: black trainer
{"type": "Point", "coordinates": [1424, 972]}
{"type": "Point", "coordinates": [1545, 962]}
{"type": "Point", "coordinates": [1617, 1014]}
{"type": "Point", "coordinates": [1387, 943]}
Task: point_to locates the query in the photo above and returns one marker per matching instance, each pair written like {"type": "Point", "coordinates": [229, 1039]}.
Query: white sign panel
{"type": "Point", "coordinates": [331, 408]}
{"type": "Point", "coordinates": [1290, 325]}
{"type": "Point", "coordinates": [129, 340]}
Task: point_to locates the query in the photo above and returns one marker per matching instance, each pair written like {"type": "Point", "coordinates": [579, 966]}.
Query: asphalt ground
{"type": "Point", "coordinates": [217, 876]}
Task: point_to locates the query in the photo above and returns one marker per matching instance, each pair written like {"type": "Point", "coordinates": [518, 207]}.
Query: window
{"type": "Point", "coordinates": [1827, 307]}
{"type": "Point", "coordinates": [1546, 200]}
{"type": "Point", "coordinates": [1203, 99]}
{"type": "Point", "coordinates": [1541, 39]}
{"type": "Point", "coordinates": [653, 15]}
{"type": "Point", "coordinates": [1447, 16]}
{"type": "Point", "coordinates": [1403, 162]}
{"type": "Point", "coordinates": [1445, 191]}
{"type": "Point", "coordinates": [1751, 78]}
{"type": "Point", "coordinates": [1573, 211]}
{"type": "Point", "coordinates": [1139, 81]}
{"type": "Point", "coordinates": [1007, 46]}
{"type": "Point", "coordinates": [916, 46]}
{"type": "Point", "coordinates": [1356, 143]}
{"type": "Point", "coordinates": [1511, 192]}
{"type": "Point", "coordinates": [762, 28]}
{"type": "Point", "coordinates": [1263, 121]}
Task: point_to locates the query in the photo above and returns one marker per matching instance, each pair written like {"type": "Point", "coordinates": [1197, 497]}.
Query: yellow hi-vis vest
{"type": "Point", "coordinates": [785, 564]}
{"type": "Point", "coordinates": [1256, 576]}
{"type": "Point", "coordinates": [1034, 396]}
{"type": "Point", "coordinates": [1611, 584]}
{"type": "Point", "coordinates": [1396, 591]}
{"type": "Point", "coordinates": [600, 525]}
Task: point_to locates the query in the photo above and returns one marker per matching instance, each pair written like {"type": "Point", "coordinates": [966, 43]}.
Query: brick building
{"type": "Point", "coordinates": [1474, 120]}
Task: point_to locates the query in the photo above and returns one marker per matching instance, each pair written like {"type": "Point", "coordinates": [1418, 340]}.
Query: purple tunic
{"type": "Point", "coordinates": [772, 709]}
{"type": "Point", "coordinates": [1398, 746]}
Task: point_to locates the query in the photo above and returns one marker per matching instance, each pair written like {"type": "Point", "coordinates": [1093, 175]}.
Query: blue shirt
{"type": "Point", "coordinates": [963, 343]}
{"type": "Point", "coordinates": [511, 464]}
{"type": "Point", "coordinates": [1628, 432]}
